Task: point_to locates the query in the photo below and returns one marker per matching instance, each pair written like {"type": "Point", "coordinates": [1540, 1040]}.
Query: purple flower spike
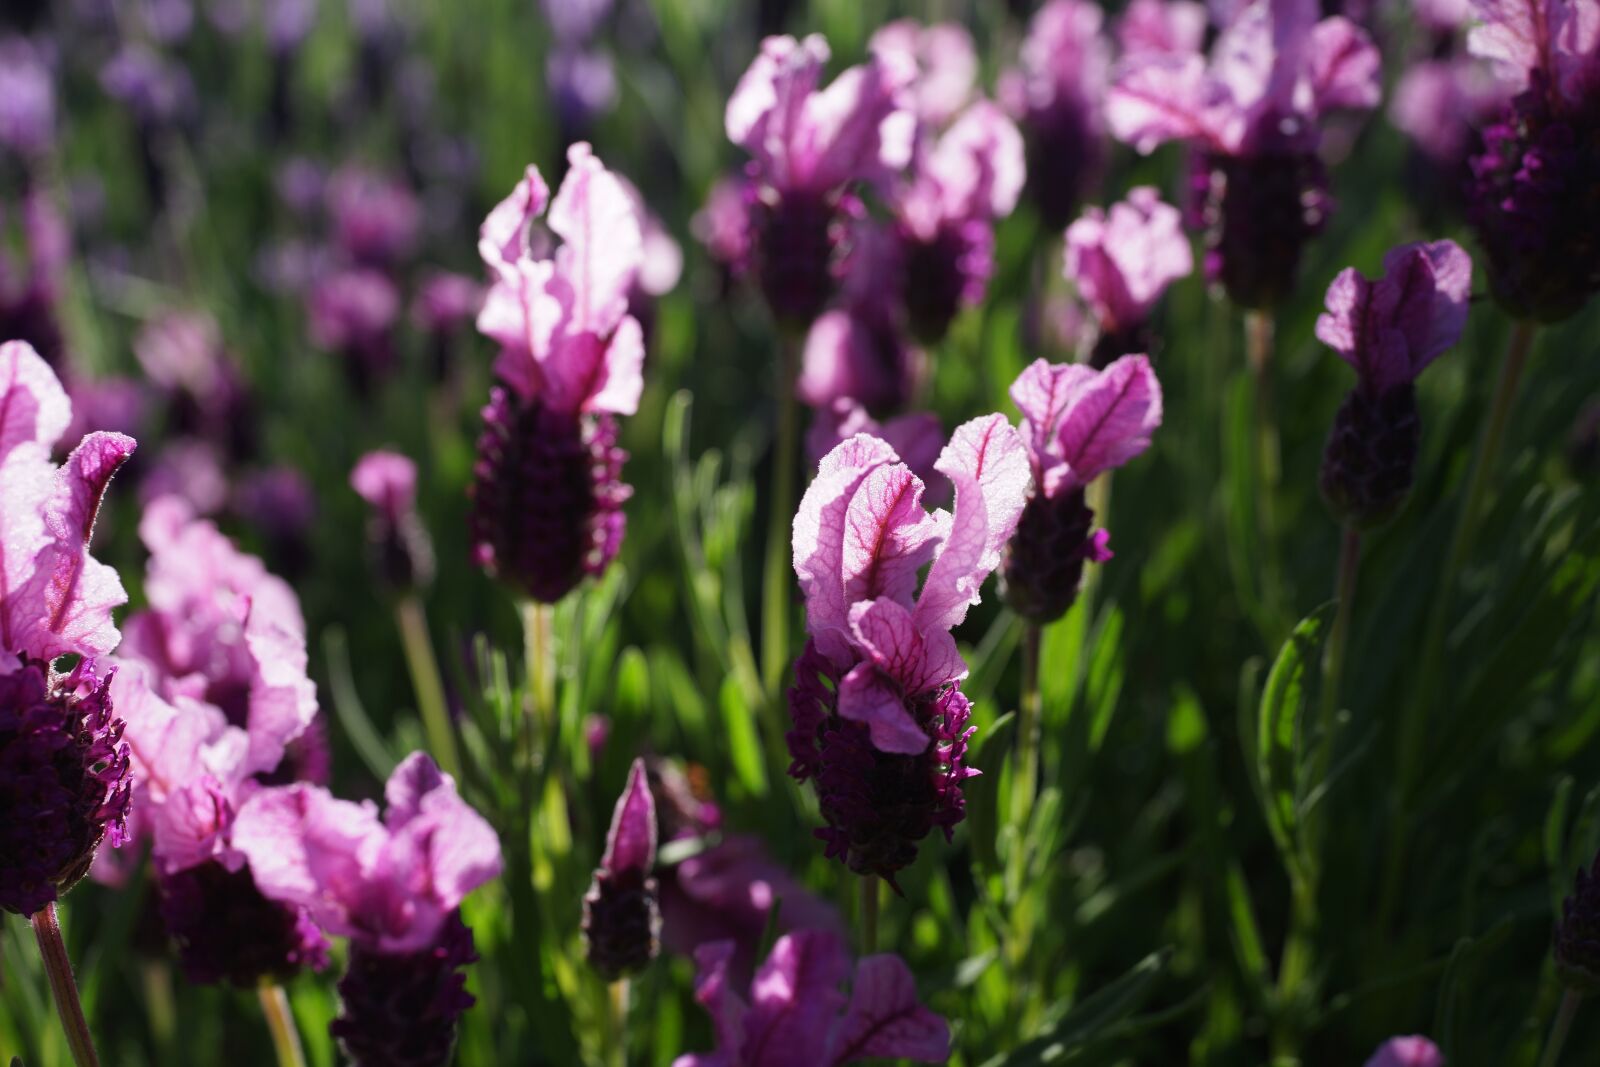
{"type": "Point", "coordinates": [879, 719]}
{"type": "Point", "coordinates": [809, 146]}
{"type": "Point", "coordinates": [621, 910]}
{"type": "Point", "coordinates": [398, 543]}
{"type": "Point", "coordinates": [1388, 330]}
{"type": "Point", "coordinates": [798, 1017]}
{"type": "Point", "coordinates": [1078, 422]}
{"type": "Point", "coordinates": [64, 769]}
{"type": "Point", "coordinates": [1122, 261]}
{"type": "Point", "coordinates": [1251, 117]}
{"type": "Point", "coordinates": [1407, 1052]}
{"type": "Point", "coordinates": [547, 491]}
{"type": "Point", "coordinates": [1577, 935]}
{"type": "Point", "coordinates": [394, 887]}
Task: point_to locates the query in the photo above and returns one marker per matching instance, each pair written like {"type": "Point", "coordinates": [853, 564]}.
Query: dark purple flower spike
{"type": "Point", "coordinates": [1389, 331]}
{"type": "Point", "coordinates": [621, 910]}
{"type": "Point", "coordinates": [1577, 938]}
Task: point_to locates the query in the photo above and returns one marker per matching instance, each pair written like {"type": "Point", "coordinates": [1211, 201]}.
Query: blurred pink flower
{"type": "Point", "coordinates": [1078, 422]}
{"type": "Point", "coordinates": [1124, 259]}
{"type": "Point", "coordinates": [1441, 105]}
{"type": "Point", "coordinates": [1407, 1052]}
{"type": "Point", "coordinates": [1162, 27]}
{"type": "Point", "coordinates": [188, 469]}
{"type": "Point", "coordinates": [937, 65]}
{"type": "Point", "coordinates": [1557, 40]}
{"type": "Point", "coordinates": [798, 1015]}
{"type": "Point", "coordinates": [723, 224]}
{"type": "Point", "coordinates": [387, 481]}
{"type": "Point", "coordinates": [27, 97]}
{"type": "Point", "coordinates": [376, 218]}
{"type": "Point", "coordinates": [445, 301]}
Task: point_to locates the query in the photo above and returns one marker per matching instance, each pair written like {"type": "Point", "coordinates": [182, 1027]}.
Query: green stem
{"type": "Point", "coordinates": [427, 683]}
{"type": "Point", "coordinates": [1333, 653]}
{"type": "Point", "coordinates": [58, 968]}
{"type": "Point", "coordinates": [285, 1038]}
{"type": "Point", "coordinates": [1414, 716]}
{"type": "Point", "coordinates": [1560, 1027]}
{"type": "Point", "coordinates": [869, 914]}
{"type": "Point", "coordinates": [539, 648]}
{"type": "Point", "coordinates": [1259, 328]}
{"type": "Point", "coordinates": [617, 998]}
{"type": "Point", "coordinates": [1025, 785]}
{"type": "Point", "coordinates": [778, 579]}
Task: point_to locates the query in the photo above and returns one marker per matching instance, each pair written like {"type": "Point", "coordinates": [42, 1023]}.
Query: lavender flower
{"type": "Point", "coordinates": [622, 911]}
{"type": "Point", "coordinates": [1122, 261]}
{"type": "Point", "coordinates": [547, 492]}
{"type": "Point", "coordinates": [1252, 120]}
{"type": "Point", "coordinates": [398, 543]}
{"type": "Point", "coordinates": [1577, 935]}
{"type": "Point", "coordinates": [794, 1012]}
{"type": "Point", "coordinates": [64, 784]}
{"type": "Point", "coordinates": [376, 218]}
{"type": "Point", "coordinates": [810, 148]}
{"type": "Point", "coordinates": [880, 724]}
{"type": "Point", "coordinates": [1532, 196]}
{"type": "Point", "coordinates": [1389, 331]}
{"type": "Point", "coordinates": [1407, 1052]}
{"type": "Point", "coordinates": [394, 887]}
{"type": "Point", "coordinates": [27, 98]}
{"type": "Point", "coordinates": [1077, 423]}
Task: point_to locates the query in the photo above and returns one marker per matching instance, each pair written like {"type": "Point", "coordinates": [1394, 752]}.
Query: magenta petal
{"type": "Point", "coordinates": [868, 695]}
{"type": "Point", "coordinates": [820, 529]}
{"type": "Point", "coordinates": [885, 1019]}
{"type": "Point", "coordinates": [1407, 1052]}
{"type": "Point", "coordinates": [504, 234]}
{"type": "Point", "coordinates": [631, 841]}
{"type": "Point", "coordinates": [919, 662]}
{"type": "Point", "coordinates": [306, 848]}
{"type": "Point", "coordinates": [386, 480]}
{"type": "Point", "coordinates": [1344, 66]}
{"type": "Point", "coordinates": [1111, 419]}
{"type": "Point", "coordinates": [988, 465]}
{"type": "Point", "coordinates": [593, 214]}
{"type": "Point", "coordinates": [713, 961]}
{"type": "Point", "coordinates": [33, 405]}
{"type": "Point", "coordinates": [795, 999]}
{"type": "Point", "coordinates": [888, 536]}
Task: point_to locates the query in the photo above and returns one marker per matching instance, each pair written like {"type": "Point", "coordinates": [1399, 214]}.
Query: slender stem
{"type": "Point", "coordinates": [1560, 1027]}
{"type": "Point", "coordinates": [1293, 969]}
{"type": "Point", "coordinates": [1333, 653]}
{"type": "Point", "coordinates": [280, 1020]}
{"type": "Point", "coordinates": [1414, 716]}
{"type": "Point", "coordinates": [869, 914]}
{"type": "Point", "coordinates": [427, 683]}
{"type": "Point", "coordinates": [1025, 785]}
{"type": "Point", "coordinates": [777, 581]}
{"type": "Point", "coordinates": [618, 997]}
{"type": "Point", "coordinates": [539, 647]}
{"type": "Point", "coordinates": [58, 968]}
{"type": "Point", "coordinates": [1260, 327]}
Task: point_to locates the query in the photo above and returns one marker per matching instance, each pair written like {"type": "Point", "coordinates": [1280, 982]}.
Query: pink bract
{"type": "Point", "coordinates": [1078, 421]}
{"type": "Point", "coordinates": [1124, 259]}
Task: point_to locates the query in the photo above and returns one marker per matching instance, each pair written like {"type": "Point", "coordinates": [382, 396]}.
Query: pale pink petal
{"type": "Point", "coordinates": [853, 130]}
{"type": "Point", "coordinates": [919, 662]}
{"type": "Point", "coordinates": [1042, 393]}
{"type": "Point", "coordinates": [621, 380]}
{"type": "Point", "coordinates": [820, 529]}
{"type": "Point", "coordinates": [26, 480]}
{"type": "Point", "coordinates": [941, 61]}
{"type": "Point", "coordinates": [502, 239]}
{"type": "Point", "coordinates": [1407, 1052]}
{"type": "Point", "coordinates": [764, 114]}
{"type": "Point", "coordinates": [283, 699]}
{"type": "Point", "coordinates": [979, 164]}
{"type": "Point", "coordinates": [886, 1021]}
{"type": "Point", "coordinates": [988, 465]}
{"type": "Point", "coordinates": [795, 1000]}
{"type": "Point", "coordinates": [1159, 98]}
{"type": "Point", "coordinates": [1111, 418]}
{"type": "Point", "coordinates": [888, 536]}
{"type": "Point", "coordinates": [306, 848]}
{"type": "Point", "coordinates": [1515, 35]}
{"type": "Point", "coordinates": [386, 480]}
{"type": "Point", "coordinates": [33, 405]}
{"type": "Point", "coordinates": [631, 841]}
{"type": "Point", "coordinates": [602, 248]}
{"type": "Point", "coordinates": [1175, 27]}
{"type": "Point", "coordinates": [1344, 66]}
{"type": "Point", "coordinates": [66, 604]}
{"type": "Point", "coordinates": [866, 695]}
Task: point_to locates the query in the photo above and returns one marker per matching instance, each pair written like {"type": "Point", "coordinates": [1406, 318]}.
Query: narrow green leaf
{"type": "Point", "coordinates": [744, 747]}
{"type": "Point", "coordinates": [1090, 1017]}
{"type": "Point", "coordinates": [1280, 736]}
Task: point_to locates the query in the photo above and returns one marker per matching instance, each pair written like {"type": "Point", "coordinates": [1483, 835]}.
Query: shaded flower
{"type": "Point", "coordinates": [376, 218]}
{"type": "Point", "coordinates": [1077, 423]}
{"type": "Point", "coordinates": [397, 542]}
{"type": "Point", "coordinates": [724, 224]}
{"type": "Point", "coordinates": [621, 911]}
{"type": "Point", "coordinates": [1122, 261]}
{"type": "Point", "coordinates": [207, 396]}
{"type": "Point", "coordinates": [394, 887]}
{"type": "Point", "coordinates": [27, 98]}
{"type": "Point", "coordinates": [809, 147]}
{"type": "Point", "coordinates": [445, 302]}
{"type": "Point", "coordinates": [1389, 331]}
{"type": "Point", "coordinates": [64, 785]}
{"type": "Point", "coordinates": [1407, 1052]}
{"type": "Point", "coordinates": [1057, 94]}
{"type": "Point", "coordinates": [547, 493]}
{"type": "Point", "coordinates": [798, 1014]}
{"type": "Point", "coordinates": [1577, 935]}
{"type": "Point", "coordinates": [1252, 117]}
{"type": "Point", "coordinates": [879, 719]}
{"type": "Point", "coordinates": [917, 438]}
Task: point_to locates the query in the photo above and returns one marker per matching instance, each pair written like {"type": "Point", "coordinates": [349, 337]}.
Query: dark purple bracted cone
{"type": "Point", "coordinates": [1371, 456]}
{"type": "Point", "coordinates": [944, 275]}
{"type": "Point", "coordinates": [1577, 947]}
{"type": "Point", "coordinates": [1257, 214]}
{"type": "Point", "coordinates": [878, 805]}
{"type": "Point", "coordinates": [798, 241]}
{"type": "Point", "coordinates": [1042, 566]}
{"type": "Point", "coordinates": [621, 910]}
{"type": "Point", "coordinates": [225, 930]}
{"type": "Point", "coordinates": [402, 1010]}
{"type": "Point", "coordinates": [1534, 198]}
{"type": "Point", "coordinates": [64, 780]}
{"type": "Point", "coordinates": [547, 496]}
{"type": "Point", "coordinates": [1066, 154]}
{"type": "Point", "coordinates": [400, 551]}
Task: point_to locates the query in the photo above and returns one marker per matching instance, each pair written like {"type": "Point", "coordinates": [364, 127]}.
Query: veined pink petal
{"type": "Point", "coordinates": [1042, 392]}
{"type": "Point", "coordinates": [631, 841]}
{"type": "Point", "coordinates": [988, 465]}
{"type": "Point", "coordinates": [1517, 36]}
{"type": "Point", "coordinates": [1389, 330]}
{"type": "Point", "coordinates": [1344, 66]}
{"type": "Point", "coordinates": [868, 695]}
{"type": "Point", "coordinates": [1110, 419]}
{"type": "Point", "coordinates": [795, 999]}
{"type": "Point", "coordinates": [33, 405]}
{"type": "Point", "coordinates": [502, 239]}
{"type": "Point", "coordinates": [1158, 98]}
{"type": "Point", "coordinates": [919, 662]}
{"type": "Point", "coordinates": [603, 247]}
{"type": "Point", "coordinates": [886, 1021]}
{"type": "Point", "coordinates": [820, 529]}
{"type": "Point", "coordinates": [888, 538]}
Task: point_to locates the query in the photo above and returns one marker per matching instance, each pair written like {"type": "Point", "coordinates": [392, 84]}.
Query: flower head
{"type": "Point", "coordinates": [797, 1012]}
{"type": "Point", "coordinates": [1407, 1052]}
{"type": "Point", "coordinates": [1124, 259]}
{"type": "Point", "coordinates": [376, 218]}
{"type": "Point", "coordinates": [1577, 935]}
{"type": "Point", "coordinates": [621, 910]}
{"type": "Point", "coordinates": [64, 784]}
{"type": "Point", "coordinates": [402, 554]}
